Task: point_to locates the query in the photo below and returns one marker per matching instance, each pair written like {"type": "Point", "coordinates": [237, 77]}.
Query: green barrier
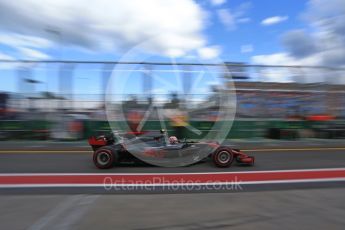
{"type": "Point", "coordinates": [20, 129]}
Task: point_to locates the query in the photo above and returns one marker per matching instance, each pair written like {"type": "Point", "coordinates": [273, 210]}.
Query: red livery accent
{"type": "Point", "coordinates": [93, 141]}
{"type": "Point", "coordinates": [137, 133]}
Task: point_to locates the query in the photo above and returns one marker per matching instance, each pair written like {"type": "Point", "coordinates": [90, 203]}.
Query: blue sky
{"type": "Point", "coordinates": [254, 31]}
{"type": "Point", "coordinates": [229, 38]}
{"type": "Point", "coordinates": [263, 39]}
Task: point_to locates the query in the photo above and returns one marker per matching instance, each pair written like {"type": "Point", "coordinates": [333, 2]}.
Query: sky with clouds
{"type": "Point", "coordinates": [233, 30]}
{"type": "Point", "coordinates": [285, 32]}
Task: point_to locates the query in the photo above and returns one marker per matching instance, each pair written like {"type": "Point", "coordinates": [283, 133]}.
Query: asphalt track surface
{"type": "Point", "coordinates": [289, 209]}
{"type": "Point", "coordinates": [31, 162]}
{"type": "Point", "coordinates": [316, 205]}
{"type": "Point", "coordinates": [81, 162]}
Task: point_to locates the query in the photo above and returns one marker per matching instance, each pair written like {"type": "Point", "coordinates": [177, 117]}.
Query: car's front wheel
{"type": "Point", "coordinates": [104, 157]}
{"type": "Point", "coordinates": [223, 157]}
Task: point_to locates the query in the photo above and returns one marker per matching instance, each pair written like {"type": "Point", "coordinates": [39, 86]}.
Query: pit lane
{"type": "Point", "coordinates": [80, 161]}
{"type": "Point", "coordinates": [53, 162]}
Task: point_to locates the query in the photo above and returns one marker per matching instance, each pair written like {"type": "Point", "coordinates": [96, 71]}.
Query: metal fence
{"type": "Point", "coordinates": [80, 86]}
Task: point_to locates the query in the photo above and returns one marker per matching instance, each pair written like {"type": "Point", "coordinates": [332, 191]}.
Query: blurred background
{"type": "Point", "coordinates": [48, 104]}
{"type": "Point", "coordinates": [280, 64]}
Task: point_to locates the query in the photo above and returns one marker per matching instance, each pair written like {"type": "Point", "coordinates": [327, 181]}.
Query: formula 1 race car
{"type": "Point", "coordinates": [156, 149]}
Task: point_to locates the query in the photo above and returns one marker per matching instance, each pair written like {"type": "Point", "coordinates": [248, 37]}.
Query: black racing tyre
{"type": "Point", "coordinates": [223, 157]}
{"type": "Point", "coordinates": [104, 157]}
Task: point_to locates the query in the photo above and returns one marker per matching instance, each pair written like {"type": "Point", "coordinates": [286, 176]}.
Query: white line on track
{"type": "Point", "coordinates": [187, 173]}
{"type": "Point", "coordinates": [65, 214]}
{"type": "Point", "coordinates": [61, 208]}
{"type": "Point", "coordinates": [337, 179]}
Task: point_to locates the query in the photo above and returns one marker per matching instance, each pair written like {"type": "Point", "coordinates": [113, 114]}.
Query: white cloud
{"type": "Point", "coordinates": [5, 56]}
{"type": "Point", "coordinates": [209, 52]}
{"type": "Point", "coordinates": [274, 20]}
{"type": "Point", "coordinates": [285, 58]}
{"type": "Point", "coordinates": [247, 48]}
{"type": "Point", "coordinates": [320, 10]}
{"type": "Point", "coordinates": [279, 74]}
{"type": "Point", "coordinates": [226, 18]}
{"type": "Point", "coordinates": [32, 54]}
{"type": "Point", "coordinates": [231, 17]}
{"type": "Point", "coordinates": [321, 43]}
{"type": "Point", "coordinates": [273, 74]}
{"type": "Point", "coordinates": [217, 2]}
{"type": "Point", "coordinates": [273, 59]}
{"type": "Point", "coordinates": [326, 20]}
{"type": "Point", "coordinates": [107, 25]}
{"type": "Point", "coordinates": [5, 65]}
{"type": "Point", "coordinates": [19, 40]}
{"type": "Point", "coordinates": [26, 46]}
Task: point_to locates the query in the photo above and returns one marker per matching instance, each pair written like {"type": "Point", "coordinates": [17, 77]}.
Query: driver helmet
{"type": "Point", "coordinates": [173, 140]}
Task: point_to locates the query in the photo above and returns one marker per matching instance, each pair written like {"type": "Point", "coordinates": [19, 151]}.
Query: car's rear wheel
{"type": "Point", "coordinates": [104, 157]}
{"type": "Point", "coordinates": [223, 157]}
